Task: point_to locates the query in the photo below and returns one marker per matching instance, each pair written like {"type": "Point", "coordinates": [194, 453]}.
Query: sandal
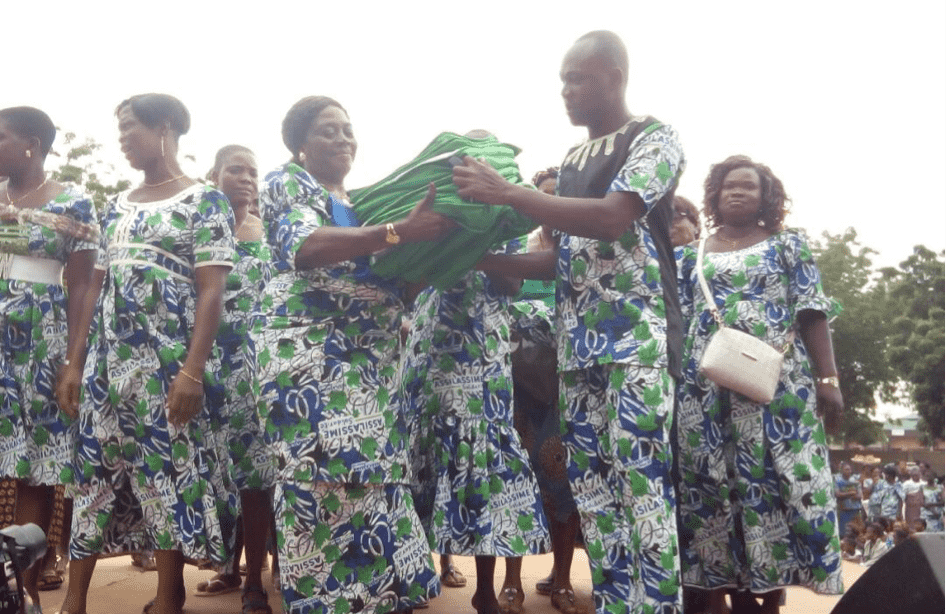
{"type": "Point", "coordinates": [510, 600]}
{"type": "Point", "coordinates": [255, 600]}
{"type": "Point", "coordinates": [564, 600]}
{"type": "Point", "coordinates": [217, 586]}
{"type": "Point", "coordinates": [50, 580]}
{"type": "Point", "coordinates": [543, 587]}
{"type": "Point", "coordinates": [451, 577]}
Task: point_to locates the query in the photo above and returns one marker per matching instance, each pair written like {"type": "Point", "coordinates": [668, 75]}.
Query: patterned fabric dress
{"type": "Point", "coordinates": [933, 515]}
{"type": "Point", "coordinates": [236, 393]}
{"type": "Point", "coordinates": [348, 535]}
{"type": "Point", "coordinates": [616, 320]}
{"type": "Point", "coordinates": [476, 475]}
{"type": "Point", "coordinates": [756, 494]}
{"type": "Point", "coordinates": [37, 441]}
{"type": "Point", "coordinates": [144, 483]}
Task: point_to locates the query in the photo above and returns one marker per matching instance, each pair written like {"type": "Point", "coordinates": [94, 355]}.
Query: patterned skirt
{"type": "Point", "coordinates": [347, 548]}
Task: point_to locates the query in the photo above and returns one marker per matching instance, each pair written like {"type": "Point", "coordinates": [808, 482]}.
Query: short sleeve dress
{"type": "Point", "coordinates": [142, 482]}
{"type": "Point", "coordinates": [348, 534]}
{"type": "Point", "coordinates": [37, 441]}
{"type": "Point", "coordinates": [757, 503]}
{"type": "Point", "coordinates": [235, 395]}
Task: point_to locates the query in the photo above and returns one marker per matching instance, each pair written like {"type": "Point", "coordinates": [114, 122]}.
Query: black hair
{"type": "Point", "coordinates": [31, 123]}
{"type": "Point", "coordinates": [300, 116]}
{"type": "Point", "coordinates": [773, 207]}
{"type": "Point", "coordinates": [153, 110]}
{"type": "Point", "coordinates": [225, 152]}
{"type": "Point", "coordinates": [609, 46]}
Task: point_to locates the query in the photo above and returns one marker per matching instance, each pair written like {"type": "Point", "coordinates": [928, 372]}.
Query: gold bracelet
{"type": "Point", "coordinates": [832, 380]}
{"type": "Point", "coordinates": [181, 371]}
{"type": "Point", "coordinates": [392, 237]}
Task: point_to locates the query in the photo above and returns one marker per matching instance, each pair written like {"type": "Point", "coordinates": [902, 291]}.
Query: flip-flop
{"type": "Point", "coordinates": [543, 587]}
{"type": "Point", "coordinates": [216, 586]}
{"type": "Point", "coordinates": [49, 581]}
{"type": "Point", "coordinates": [563, 599]}
{"type": "Point", "coordinates": [451, 577]}
{"type": "Point", "coordinates": [510, 600]}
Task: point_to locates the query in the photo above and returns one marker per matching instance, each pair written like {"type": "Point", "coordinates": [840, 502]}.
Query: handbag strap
{"type": "Point", "coordinates": [711, 303]}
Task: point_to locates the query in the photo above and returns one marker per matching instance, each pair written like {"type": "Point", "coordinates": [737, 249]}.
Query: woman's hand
{"type": "Point", "coordinates": [479, 181]}
{"type": "Point", "coordinates": [830, 405]}
{"type": "Point", "coordinates": [68, 389]}
{"type": "Point", "coordinates": [185, 399]}
{"type": "Point", "coordinates": [423, 223]}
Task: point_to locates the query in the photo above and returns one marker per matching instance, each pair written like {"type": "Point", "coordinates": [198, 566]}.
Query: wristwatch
{"type": "Point", "coordinates": [392, 237]}
{"type": "Point", "coordinates": [832, 380]}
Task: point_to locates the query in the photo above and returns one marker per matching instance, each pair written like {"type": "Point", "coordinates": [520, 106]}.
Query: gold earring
{"type": "Point", "coordinates": [162, 147]}
{"type": "Point", "coordinates": [29, 154]}
{"type": "Point", "coordinates": [301, 156]}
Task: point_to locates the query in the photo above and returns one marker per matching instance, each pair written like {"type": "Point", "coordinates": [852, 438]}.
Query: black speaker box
{"type": "Point", "coordinates": [908, 579]}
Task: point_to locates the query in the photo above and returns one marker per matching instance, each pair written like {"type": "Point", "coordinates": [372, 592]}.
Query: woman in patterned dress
{"type": "Point", "coordinates": [348, 535]}
{"type": "Point", "coordinates": [235, 395]}
{"type": "Point", "coordinates": [481, 496]}
{"type": "Point", "coordinates": [148, 468]}
{"type": "Point", "coordinates": [44, 227]}
{"type": "Point", "coordinates": [756, 493]}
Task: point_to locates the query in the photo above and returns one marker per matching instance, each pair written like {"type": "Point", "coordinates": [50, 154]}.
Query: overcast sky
{"type": "Point", "coordinates": [845, 101]}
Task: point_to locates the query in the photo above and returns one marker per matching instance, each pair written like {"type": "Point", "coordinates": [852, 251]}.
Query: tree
{"type": "Point", "coordinates": [917, 293]}
{"type": "Point", "coordinates": [859, 333]}
{"type": "Point", "coordinates": [81, 167]}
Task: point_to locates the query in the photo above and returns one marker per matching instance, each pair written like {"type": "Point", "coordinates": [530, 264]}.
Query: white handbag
{"type": "Point", "coordinates": [738, 361]}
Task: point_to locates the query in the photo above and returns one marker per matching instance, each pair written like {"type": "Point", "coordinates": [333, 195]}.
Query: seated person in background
{"type": "Point", "coordinates": [849, 550]}
{"type": "Point", "coordinates": [876, 544]}
{"type": "Point", "coordinates": [900, 534]}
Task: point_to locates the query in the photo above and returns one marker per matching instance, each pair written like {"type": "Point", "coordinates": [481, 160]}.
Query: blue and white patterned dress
{"type": "Point", "coordinates": [756, 495]}
{"type": "Point", "coordinates": [479, 493]}
{"type": "Point", "coordinates": [37, 441]}
{"type": "Point", "coordinates": [235, 395]}
{"type": "Point", "coordinates": [142, 482]}
{"type": "Point", "coordinates": [348, 535]}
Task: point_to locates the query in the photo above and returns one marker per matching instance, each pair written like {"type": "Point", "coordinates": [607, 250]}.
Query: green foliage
{"type": "Point", "coordinates": [917, 342]}
{"type": "Point", "coordinates": [82, 167]}
{"type": "Point", "coordinates": [859, 334]}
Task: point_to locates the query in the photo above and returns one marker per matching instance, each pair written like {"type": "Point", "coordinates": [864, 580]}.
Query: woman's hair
{"type": "Point", "coordinates": [300, 116]}
{"type": "Point", "coordinates": [691, 213]}
{"type": "Point", "coordinates": [774, 203]}
{"type": "Point", "coordinates": [541, 176]}
{"type": "Point", "coordinates": [153, 110]}
{"type": "Point", "coordinates": [30, 123]}
{"type": "Point", "coordinates": [225, 152]}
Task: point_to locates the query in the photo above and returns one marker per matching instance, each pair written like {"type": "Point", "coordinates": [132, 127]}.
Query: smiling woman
{"type": "Point", "coordinates": [334, 415]}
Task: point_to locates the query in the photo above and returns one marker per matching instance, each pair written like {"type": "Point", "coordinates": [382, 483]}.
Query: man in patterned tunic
{"type": "Point", "coordinates": [618, 322]}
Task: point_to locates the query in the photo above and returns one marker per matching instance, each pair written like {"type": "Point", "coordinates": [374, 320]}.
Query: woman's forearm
{"type": "Point", "coordinates": [328, 245]}
{"type": "Point", "coordinates": [84, 289]}
{"type": "Point", "coordinates": [817, 337]}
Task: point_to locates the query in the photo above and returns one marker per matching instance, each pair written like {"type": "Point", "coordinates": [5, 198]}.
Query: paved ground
{"type": "Point", "coordinates": [118, 587]}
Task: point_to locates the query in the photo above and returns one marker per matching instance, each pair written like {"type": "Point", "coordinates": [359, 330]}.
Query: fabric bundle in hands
{"type": "Point", "coordinates": [443, 262]}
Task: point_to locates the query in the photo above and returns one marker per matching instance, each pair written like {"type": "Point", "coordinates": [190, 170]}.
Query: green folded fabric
{"type": "Point", "coordinates": [442, 263]}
